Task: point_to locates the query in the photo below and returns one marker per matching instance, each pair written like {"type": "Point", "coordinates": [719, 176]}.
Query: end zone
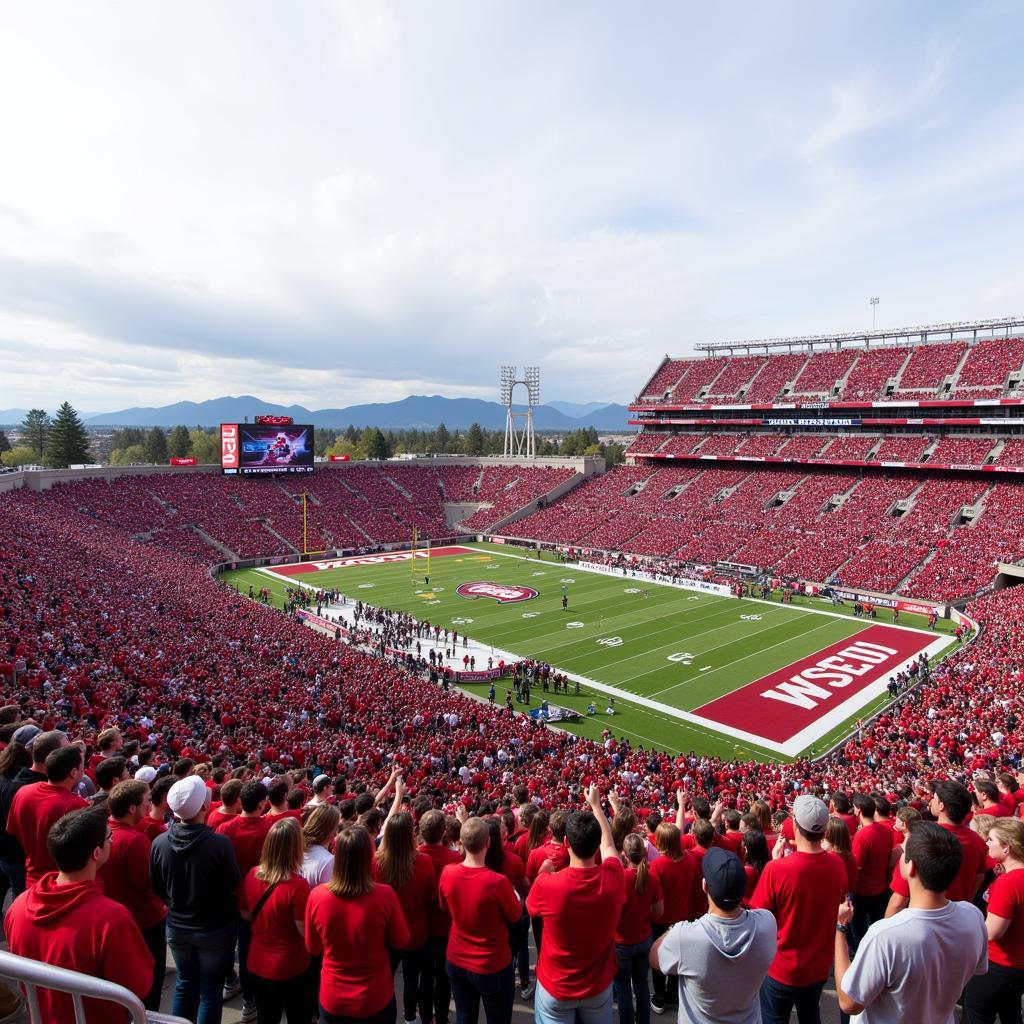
{"type": "Point", "coordinates": [382, 558]}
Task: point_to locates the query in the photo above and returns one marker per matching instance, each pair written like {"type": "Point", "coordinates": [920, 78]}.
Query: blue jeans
{"type": "Point", "coordinates": [496, 991]}
{"type": "Point", "coordinates": [203, 960]}
{"type": "Point", "coordinates": [15, 873]}
{"type": "Point", "coordinates": [777, 1000]}
{"type": "Point", "coordinates": [593, 1010]}
{"type": "Point", "coordinates": [631, 981]}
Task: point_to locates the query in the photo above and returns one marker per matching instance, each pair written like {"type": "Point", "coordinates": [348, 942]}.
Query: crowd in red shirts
{"type": "Point", "coordinates": [97, 631]}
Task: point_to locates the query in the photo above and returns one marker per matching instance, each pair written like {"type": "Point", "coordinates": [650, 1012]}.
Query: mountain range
{"type": "Point", "coordinates": [423, 412]}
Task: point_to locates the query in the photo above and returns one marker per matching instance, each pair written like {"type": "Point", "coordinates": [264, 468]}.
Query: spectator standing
{"type": "Point", "coordinates": [155, 823]}
{"type": "Point", "coordinates": [837, 841]}
{"type": "Point", "coordinates": [950, 804]}
{"type": "Point", "coordinates": [999, 992]}
{"type": "Point", "coordinates": [720, 959]}
{"type": "Point", "coordinates": [65, 920]}
{"type": "Point", "coordinates": [435, 991]}
{"type": "Point", "coordinates": [411, 875]}
{"type": "Point", "coordinates": [125, 875]}
{"type": "Point", "coordinates": [581, 906]}
{"type": "Point", "coordinates": [317, 838]}
{"type": "Point", "coordinates": [633, 934]}
{"type": "Point", "coordinates": [273, 902]}
{"type": "Point", "coordinates": [247, 832]}
{"type": "Point", "coordinates": [798, 890]}
{"type": "Point", "coordinates": [37, 746]}
{"type": "Point", "coordinates": [675, 871]}
{"type": "Point", "coordinates": [913, 967]}
{"type": "Point", "coordinates": [194, 871]}
{"type": "Point", "coordinates": [871, 847]}
{"type": "Point", "coordinates": [482, 904]}
{"type": "Point", "coordinates": [38, 806]}
{"type": "Point", "coordinates": [351, 922]}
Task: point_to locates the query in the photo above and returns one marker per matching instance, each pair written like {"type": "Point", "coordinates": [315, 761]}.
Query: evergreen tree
{"type": "Point", "coordinates": [351, 434]}
{"type": "Point", "coordinates": [5, 445]}
{"type": "Point", "coordinates": [377, 448]}
{"type": "Point", "coordinates": [34, 428]}
{"type": "Point", "coordinates": [475, 444]}
{"type": "Point", "coordinates": [126, 437]}
{"type": "Point", "coordinates": [441, 439]}
{"type": "Point", "coordinates": [155, 445]}
{"type": "Point", "coordinates": [67, 442]}
{"type": "Point", "coordinates": [179, 444]}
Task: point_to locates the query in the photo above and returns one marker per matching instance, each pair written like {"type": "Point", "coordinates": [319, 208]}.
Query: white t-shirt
{"type": "Point", "coordinates": [317, 865]}
{"type": "Point", "coordinates": [912, 967]}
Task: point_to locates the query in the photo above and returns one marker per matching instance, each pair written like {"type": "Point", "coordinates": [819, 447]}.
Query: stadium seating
{"type": "Point", "coordinates": [777, 372]}
{"type": "Point", "coordinates": [646, 442]}
{"type": "Point", "coordinates": [823, 370]}
{"type": "Point", "coordinates": [902, 448]}
{"type": "Point", "coordinates": [664, 380]}
{"type": "Point", "coordinates": [699, 374]}
{"type": "Point", "coordinates": [962, 451]}
{"type": "Point", "coordinates": [986, 368]}
{"type": "Point", "coordinates": [871, 372]}
{"type": "Point", "coordinates": [738, 372]}
{"type": "Point", "coordinates": [927, 367]}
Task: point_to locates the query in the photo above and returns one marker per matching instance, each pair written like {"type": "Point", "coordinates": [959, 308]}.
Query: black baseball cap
{"type": "Point", "coordinates": [726, 879]}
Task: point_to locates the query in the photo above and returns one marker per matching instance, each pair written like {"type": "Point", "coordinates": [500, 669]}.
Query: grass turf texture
{"type": "Point", "coordinates": [625, 640]}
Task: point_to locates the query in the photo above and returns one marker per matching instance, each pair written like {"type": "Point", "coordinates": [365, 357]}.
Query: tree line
{"type": "Point", "coordinates": [64, 441]}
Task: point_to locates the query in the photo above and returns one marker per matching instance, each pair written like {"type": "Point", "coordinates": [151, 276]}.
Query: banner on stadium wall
{"type": "Point", "coordinates": [340, 458]}
{"type": "Point", "coordinates": [183, 461]}
{"type": "Point", "coordinates": [914, 607]}
{"type": "Point", "coordinates": [719, 589]}
{"type": "Point", "coordinates": [478, 676]}
{"type": "Point", "coordinates": [793, 422]}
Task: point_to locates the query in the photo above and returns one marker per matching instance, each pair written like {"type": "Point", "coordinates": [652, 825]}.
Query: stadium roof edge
{"type": "Point", "coordinates": [921, 333]}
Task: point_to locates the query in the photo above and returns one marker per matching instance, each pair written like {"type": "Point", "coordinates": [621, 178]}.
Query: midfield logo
{"type": "Point", "coordinates": [503, 593]}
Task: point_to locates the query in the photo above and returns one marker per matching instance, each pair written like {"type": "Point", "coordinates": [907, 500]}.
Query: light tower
{"type": "Point", "coordinates": [519, 440]}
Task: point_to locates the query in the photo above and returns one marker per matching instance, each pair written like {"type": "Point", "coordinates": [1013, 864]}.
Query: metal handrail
{"type": "Point", "coordinates": [33, 975]}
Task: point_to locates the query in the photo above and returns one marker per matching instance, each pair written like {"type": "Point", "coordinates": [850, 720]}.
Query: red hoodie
{"type": "Point", "coordinates": [77, 927]}
{"type": "Point", "coordinates": [34, 810]}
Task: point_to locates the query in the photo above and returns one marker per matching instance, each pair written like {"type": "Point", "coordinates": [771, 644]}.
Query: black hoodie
{"type": "Point", "coordinates": [194, 871]}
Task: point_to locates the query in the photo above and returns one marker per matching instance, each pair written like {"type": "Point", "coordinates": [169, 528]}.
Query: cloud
{"type": "Point", "coordinates": [368, 197]}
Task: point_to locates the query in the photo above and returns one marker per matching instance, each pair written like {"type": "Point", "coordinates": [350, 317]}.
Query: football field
{"type": "Point", "coordinates": [688, 670]}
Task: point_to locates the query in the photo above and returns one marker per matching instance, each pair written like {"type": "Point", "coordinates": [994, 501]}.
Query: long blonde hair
{"type": "Point", "coordinates": [282, 852]}
{"type": "Point", "coordinates": [634, 849]}
{"type": "Point", "coordinates": [396, 856]}
{"type": "Point", "coordinates": [669, 840]}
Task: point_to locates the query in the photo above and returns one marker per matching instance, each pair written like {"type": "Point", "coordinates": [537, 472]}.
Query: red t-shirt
{"type": "Point", "coordinates": [973, 864]}
{"type": "Point", "coordinates": [800, 890]}
{"type": "Point", "coordinates": [277, 952]}
{"type": "Point", "coordinates": [416, 898]}
{"type": "Point", "coordinates": [34, 810]}
{"type": "Point", "coordinates": [871, 848]}
{"type": "Point", "coordinates": [77, 927]}
{"type": "Point", "coordinates": [580, 907]}
{"type": "Point", "coordinates": [273, 816]}
{"type": "Point", "coordinates": [850, 820]}
{"type": "Point", "coordinates": [676, 878]}
{"type": "Point", "coordinates": [1006, 899]}
{"type": "Point", "coordinates": [557, 853]}
{"type": "Point", "coordinates": [353, 934]}
{"type": "Point", "coordinates": [438, 922]}
{"type": "Point", "coordinates": [635, 920]}
{"type": "Point", "coordinates": [151, 827]}
{"type": "Point", "coordinates": [125, 876]}
{"type": "Point", "coordinates": [482, 905]}
{"type": "Point", "coordinates": [512, 868]}
{"type": "Point", "coordinates": [752, 878]}
{"type": "Point", "coordinates": [247, 836]}
{"type": "Point", "coordinates": [733, 841]}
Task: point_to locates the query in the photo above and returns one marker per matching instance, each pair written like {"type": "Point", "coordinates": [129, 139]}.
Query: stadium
{"type": "Point", "coordinates": [350, 676]}
{"type": "Point", "coordinates": [811, 549]}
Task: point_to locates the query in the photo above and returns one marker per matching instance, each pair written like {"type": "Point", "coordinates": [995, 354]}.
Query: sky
{"type": "Point", "coordinates": [330, 203]}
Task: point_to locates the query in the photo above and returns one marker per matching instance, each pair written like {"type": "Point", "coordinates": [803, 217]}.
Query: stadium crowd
{"type": "Point", "coordinates": [163, 734]}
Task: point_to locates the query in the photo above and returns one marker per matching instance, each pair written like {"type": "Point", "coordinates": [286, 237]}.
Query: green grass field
{"type": "Point", "coordinates": [679, 648]}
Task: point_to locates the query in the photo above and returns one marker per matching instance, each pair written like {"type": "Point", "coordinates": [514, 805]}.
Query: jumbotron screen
{"type": "Point", "coordinates": [251, 449]}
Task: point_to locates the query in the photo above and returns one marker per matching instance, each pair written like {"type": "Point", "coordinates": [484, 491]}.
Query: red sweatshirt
{"type": "Point", "coordinates": [125, 876]}
{"type": "Point", "coordinates": [34, 811]}
{"type": "Point", "coordinates": [77, 927]}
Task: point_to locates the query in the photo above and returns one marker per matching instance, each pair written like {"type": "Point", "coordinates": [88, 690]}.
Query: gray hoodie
{"type": "Point", "coordinates": [721, 963]}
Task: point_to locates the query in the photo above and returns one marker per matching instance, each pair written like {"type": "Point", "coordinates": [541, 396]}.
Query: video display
{"type": "Point", "coordinates": [251, 449]}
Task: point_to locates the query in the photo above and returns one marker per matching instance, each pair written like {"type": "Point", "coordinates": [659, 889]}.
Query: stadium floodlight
{"type": "Point", "coordinates": [519, 436]}
{"type": "Point", "coordinates": [874, 307]}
